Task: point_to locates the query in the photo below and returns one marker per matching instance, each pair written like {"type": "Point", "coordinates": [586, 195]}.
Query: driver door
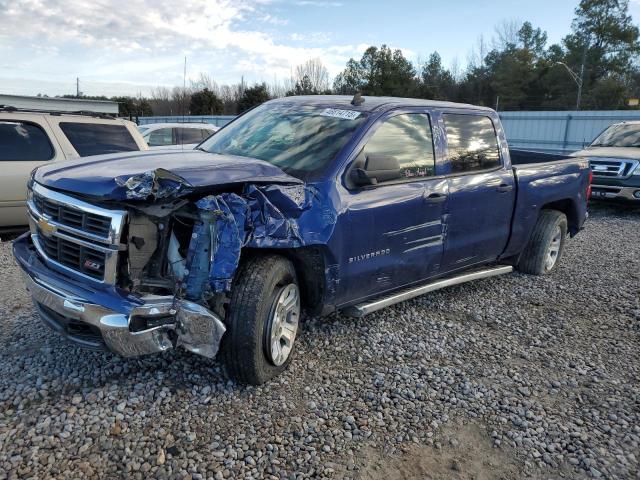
{"type": "Point", "coordinates": [396, 226]}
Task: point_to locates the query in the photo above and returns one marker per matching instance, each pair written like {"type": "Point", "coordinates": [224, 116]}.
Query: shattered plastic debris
{"type": "Point", "coordinates": [154, 184]}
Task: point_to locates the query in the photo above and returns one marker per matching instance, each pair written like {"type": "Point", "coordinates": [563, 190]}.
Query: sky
{"type": "Point", "coordinates": [126, 47]}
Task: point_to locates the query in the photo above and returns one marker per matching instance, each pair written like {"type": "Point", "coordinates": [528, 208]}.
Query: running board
{"type": "Point", "coordinates": [365, 308]}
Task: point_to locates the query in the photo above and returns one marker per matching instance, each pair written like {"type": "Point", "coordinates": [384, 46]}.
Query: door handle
{"type": "Point", "coordinates": [504, 188]}
{"type": "Point", "coordinates": [435, 198]}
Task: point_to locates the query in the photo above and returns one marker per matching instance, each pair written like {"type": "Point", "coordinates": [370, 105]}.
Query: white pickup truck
{"type": "Point", "coordinates": [29, 139]}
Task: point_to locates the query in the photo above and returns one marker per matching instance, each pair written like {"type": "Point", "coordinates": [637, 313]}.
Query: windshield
{"type": "Point", "coordinates": [623, 135]}
{"type": "Point", "coordinates": [301, 140]}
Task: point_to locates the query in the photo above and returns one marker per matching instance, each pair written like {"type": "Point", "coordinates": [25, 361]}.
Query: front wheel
{"type": "Point", "coordinates": [262, 320]}
{"type": "Point", "coordinates": [545, 247]}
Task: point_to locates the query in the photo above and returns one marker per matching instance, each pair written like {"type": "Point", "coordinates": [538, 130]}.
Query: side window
{"type": "Point", "coordinates": [472, 143]}
{"type": "Point", "coordinates": [407, 137]}
{"type": "Point", "coordinates": [98, 138]}
{"type": "Point", "coordinates": [24, 141]}
{"type": "Point", "coordinates": [188, 135]}
{"type": "Point", "coordinates": [160, 138]}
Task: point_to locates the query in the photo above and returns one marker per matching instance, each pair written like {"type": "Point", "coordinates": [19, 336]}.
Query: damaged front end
{"type": "Point", "coordinates": [166, 262]}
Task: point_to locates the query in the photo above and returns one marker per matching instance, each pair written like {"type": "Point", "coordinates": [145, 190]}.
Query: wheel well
{"type": "Point", "coordinates": [309, 265]}
{"type": "Point", "coordinates": [568, 207]}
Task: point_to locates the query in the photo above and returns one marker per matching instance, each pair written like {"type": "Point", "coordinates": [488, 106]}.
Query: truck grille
{"type": "Point", "coordinates": [83, 259]}
{"type": "Point", "coordinates": [72, 217]}
{"type": "Point", "coordinates": [75, 236]}
{"type": "Point", "coordinates": [613, 168]}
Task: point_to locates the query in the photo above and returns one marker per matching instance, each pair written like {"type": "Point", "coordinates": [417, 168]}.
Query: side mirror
{"type": "Point", "coordinates": [377, 168]}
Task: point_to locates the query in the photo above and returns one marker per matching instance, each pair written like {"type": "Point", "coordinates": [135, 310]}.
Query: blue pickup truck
{"type": "Point", "coordinates": [317, 204]}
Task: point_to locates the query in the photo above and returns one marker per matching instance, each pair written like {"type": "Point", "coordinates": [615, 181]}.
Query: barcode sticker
{"type": "Point", "coordinates": [337, 113]}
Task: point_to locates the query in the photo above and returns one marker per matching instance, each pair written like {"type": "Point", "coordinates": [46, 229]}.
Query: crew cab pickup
{"type": "Point", "coordinates": [322, 203]}
{"type": "Point", "coordinates": [615, 161]}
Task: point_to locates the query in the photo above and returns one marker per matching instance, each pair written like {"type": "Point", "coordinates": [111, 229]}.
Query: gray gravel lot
{"type": "Point", "coordinates": [510, 377]}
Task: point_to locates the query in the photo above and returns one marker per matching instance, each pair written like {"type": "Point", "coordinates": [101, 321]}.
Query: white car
{"type": "Point", "coordinates": [31, 138]}
{"type": "Point", "coordinates": [176, 135]}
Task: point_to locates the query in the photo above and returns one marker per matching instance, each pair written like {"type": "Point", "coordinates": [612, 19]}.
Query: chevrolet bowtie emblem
{"type": "Point", "coordinates": [45, 227]}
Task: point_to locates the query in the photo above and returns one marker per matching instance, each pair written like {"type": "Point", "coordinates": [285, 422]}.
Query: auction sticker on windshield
{"type": "Point", "coordinates": [337, 113]}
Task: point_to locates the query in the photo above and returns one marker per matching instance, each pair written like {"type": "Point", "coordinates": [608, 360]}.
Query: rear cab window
{"type": "Point", "coordinates": [24, 141]}
{"type": "Point", "coordinates": [188, 135]}
{"type": "Point", "coordinates": [161, 137]}
{"type": "Point", "coordinates": [472, 143]}
{"type": "Point", "coordinates": [98, 138]}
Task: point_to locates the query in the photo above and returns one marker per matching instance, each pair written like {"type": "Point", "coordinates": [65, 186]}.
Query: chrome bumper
{"type": "Point", "coordinates": [184, 323]}
{"type": "Point", "coordinates": [612, 192]}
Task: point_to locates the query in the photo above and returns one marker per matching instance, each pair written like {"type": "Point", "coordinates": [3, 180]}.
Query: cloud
{"type": "Point", "coordinates": [317, 3]}
{"type": "Point", "coordinates": [146, 41]}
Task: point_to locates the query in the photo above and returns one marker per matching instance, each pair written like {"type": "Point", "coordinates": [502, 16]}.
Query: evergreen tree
{"type": "Point", "coordinates": [252, 97]}
{"type": "Point", "coordinates": [205, 102]}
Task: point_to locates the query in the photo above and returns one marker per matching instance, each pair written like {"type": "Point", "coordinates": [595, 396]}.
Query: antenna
{"type": "Point", "coordinates": [184, 100]}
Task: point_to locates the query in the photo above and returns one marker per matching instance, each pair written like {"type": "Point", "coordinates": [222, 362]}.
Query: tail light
{"type": "Point", "coordinates": [588, 192]}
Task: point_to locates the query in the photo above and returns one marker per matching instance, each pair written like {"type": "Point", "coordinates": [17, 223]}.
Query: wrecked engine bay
{"type": "Point", "coordinates": [188, 247]}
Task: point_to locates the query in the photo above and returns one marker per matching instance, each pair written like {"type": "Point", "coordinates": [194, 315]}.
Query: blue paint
{"type": "Point", "coordinates": [230, 212]}
{"type": "Point", "coordinates": [104, 176]}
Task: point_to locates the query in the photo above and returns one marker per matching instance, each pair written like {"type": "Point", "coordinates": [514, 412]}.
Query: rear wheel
{"type": "Point", "coordinates": [262, 320]}
{"type": "Point", "coordinates": [545, 247]}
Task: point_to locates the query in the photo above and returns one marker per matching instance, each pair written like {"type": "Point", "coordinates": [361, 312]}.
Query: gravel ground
{"type": "Point", "coordinates": [511, 377]}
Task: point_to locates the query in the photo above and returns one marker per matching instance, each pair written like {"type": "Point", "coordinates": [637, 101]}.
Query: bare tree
{"type": "Point", "coordinates": [477, 54]}
{"type": "Point", "coordinates": [160, 100]}
{"type": "Point", "coordinates": [205, 81]}
{"type": "Point", "coordinates": [316, 73]}
{"type": "Point", "coordinates": [455, 70]}
{"type": "Point", "coordinates": [506, 33]}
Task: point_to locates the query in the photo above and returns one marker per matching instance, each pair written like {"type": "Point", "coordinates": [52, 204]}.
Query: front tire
{"type": "Point", "coordinates": [542, 254]}
{"type": "Point", "coordinates": [262, 320]}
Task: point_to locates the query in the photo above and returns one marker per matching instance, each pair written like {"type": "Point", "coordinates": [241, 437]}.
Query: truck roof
{"type": "Point", "coordinates": [372, 104]}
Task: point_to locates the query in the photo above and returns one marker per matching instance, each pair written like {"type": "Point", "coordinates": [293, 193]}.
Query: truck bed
{"type": "Point", "coordinates": [546, 179]}
{"type": "Point", "coordinates": [521, 157]}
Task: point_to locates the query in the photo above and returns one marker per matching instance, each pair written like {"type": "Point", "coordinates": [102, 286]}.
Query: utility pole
{"type": "Point", "coordinates": [576, 78]}
{"type": "Point", "coordinates": [78, 87]}
{"type": "Point", "coordinates": [584, 59]}
{"type": "Point", "coordinates": [184, 89]}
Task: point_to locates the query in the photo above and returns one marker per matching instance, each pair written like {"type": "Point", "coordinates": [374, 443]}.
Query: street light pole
{"type": "Point", "coordinates": [576, 78]}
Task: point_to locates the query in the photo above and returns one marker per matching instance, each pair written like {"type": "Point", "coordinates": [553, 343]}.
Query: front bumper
{"type": "Point", "coordinates": [127, 325]}
{"type": "Point", "coordinates": [612, 192]}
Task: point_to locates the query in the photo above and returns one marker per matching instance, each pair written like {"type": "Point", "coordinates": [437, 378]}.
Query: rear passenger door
{"type": "Point", "coordinates": [396, 227]}
{"type": "Point", "coordinates": [481, 192]}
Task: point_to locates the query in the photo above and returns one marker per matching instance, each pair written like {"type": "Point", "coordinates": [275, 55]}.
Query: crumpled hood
{"type": "Point", "coordinates": [610, 152]}
{"type": "Point", "coordinates": [109, 177]}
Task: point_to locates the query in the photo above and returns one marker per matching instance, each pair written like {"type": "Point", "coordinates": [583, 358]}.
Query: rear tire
{"type": "Point", "coordinates": [545, 247]}
{"type": "Point", "coordinates": [262, 320]}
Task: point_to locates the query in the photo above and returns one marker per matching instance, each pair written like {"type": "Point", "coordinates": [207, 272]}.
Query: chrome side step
{"type": "Point", "coordinates": [365, 308]}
